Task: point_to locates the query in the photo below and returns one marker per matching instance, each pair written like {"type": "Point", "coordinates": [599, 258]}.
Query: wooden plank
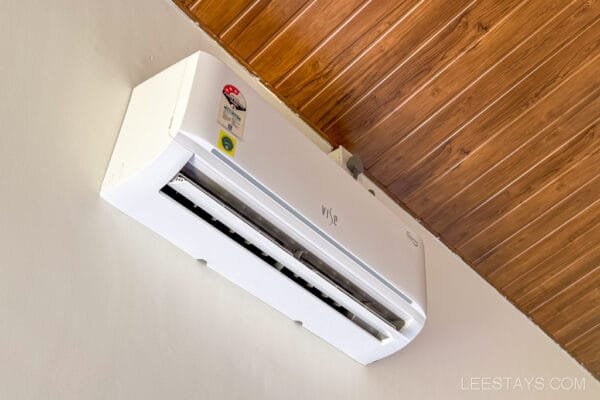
{"type": "Point", "coordinates": [552, 285]}
{"type": "Point", "coordinates": [512, 146]}
{"type": "Point", "coordinates": [315, 24]}
{"type": "Point", "coordinates": [412, 30]}
{"type": "Point", "coordinates": [407, 77]}
{"type": "Point", "coordinates": [215, 15]}
{"type": "Point", "coordinates": [435, 147]}
{"type": "Point", "coordinates": [550, 112]}
{"type": "Point", "coordinates": [518, 177]}
{"type": "Point", "coordinates": [187, 3]}
{"type": "Point", "coordinates": [517, 278]}
{"type": "Point", "coordinates": [567, 305]}
{"type": "Point", "coordinates": [242, 20]}
{"type": "Point", "coordinates": [536, 179]}
{"type": "Point", "coordinates": [530, 209]}
{"type": "Point", "coordinates": [502, 38]}
{"type": "Point", "coordinates": [580, 325]}
{"type": "Point", "coordinates": [553, 243]}
{"type": "Point", "coordinates": [484, 133]}
{"type": "Point", "coordinates": [266, 24]}
{"type": "Point", "coordinates": [546, 223]}
{"type": "Point", "coordinates": [338, 52]}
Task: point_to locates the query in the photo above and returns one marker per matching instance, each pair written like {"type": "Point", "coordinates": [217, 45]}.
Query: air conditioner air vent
{"type": "Point", "coordinates": [191, 176]}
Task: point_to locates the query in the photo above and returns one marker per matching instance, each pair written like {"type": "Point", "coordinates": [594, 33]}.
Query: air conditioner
{"type": "Point", "coordinates": [206, 163]}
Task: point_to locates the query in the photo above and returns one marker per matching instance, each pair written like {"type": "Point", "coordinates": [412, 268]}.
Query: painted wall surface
{"type": "Point", "coordinates": [95, 306]}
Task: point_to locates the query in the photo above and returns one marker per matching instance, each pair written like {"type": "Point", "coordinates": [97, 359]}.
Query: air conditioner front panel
{"type": "Point", "coordinates": [282, 160]}
{"type": "Point", "coordinates": [256, 198]}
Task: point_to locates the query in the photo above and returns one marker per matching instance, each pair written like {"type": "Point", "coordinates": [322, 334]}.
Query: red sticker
{"type": "Point", "coordinates": [232, 110]}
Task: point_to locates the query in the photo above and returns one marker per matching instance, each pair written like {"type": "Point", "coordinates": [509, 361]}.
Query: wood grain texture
{"type": "Point", "coordinates": [501, 187]}
{"type": "Point", "coordinates": [480, 117]}
{"type": "Point", "coordinates": [287, 50]}
{"type": "Point", "coordinates": [217, 14]}
{"type": "Point", "coordinates": [427, 155]}
{"type": "Point", "coordinates": [351, 42]}
{"type": "Point", "coordinates": [503, 35]}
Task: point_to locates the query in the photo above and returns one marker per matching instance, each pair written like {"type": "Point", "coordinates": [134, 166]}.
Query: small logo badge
{"type": "Point", "coordinates": [226, 143]}
{"type": "Point", "coordinates": [329, 214]}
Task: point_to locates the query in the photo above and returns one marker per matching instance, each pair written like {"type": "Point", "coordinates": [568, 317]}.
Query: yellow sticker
{"type": "Point", "coordinates": [226, 143]}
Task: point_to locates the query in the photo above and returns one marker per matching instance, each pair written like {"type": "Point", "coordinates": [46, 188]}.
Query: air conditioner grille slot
{"type": "Point", "coordinates": [179, 198]}
{"type": "Point", "coordinates": [201, 182]}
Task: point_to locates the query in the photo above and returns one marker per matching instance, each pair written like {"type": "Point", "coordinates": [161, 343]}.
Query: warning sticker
{"type": "Point", "coordinates": [226, 143]}
{"type": "Point", "coordinates": [232, 111]}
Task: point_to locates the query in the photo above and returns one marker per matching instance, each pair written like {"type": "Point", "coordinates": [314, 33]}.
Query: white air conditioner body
{"type": "Point", "coordinates": [267, 209]}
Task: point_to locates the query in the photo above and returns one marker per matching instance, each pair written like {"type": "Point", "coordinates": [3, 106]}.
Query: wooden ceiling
{"type": "Point", "coordinates": [480, 117]}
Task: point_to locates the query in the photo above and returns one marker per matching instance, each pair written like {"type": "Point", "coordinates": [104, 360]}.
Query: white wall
{"type": "Point", "coordinates": [94, 306]}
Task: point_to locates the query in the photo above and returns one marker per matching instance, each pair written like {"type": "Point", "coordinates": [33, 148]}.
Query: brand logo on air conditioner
{"type": "Point", "coordinates": [329, 215]}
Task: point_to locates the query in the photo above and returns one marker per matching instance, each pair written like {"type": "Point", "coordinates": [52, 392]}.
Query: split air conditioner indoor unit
{"type": "Point", "coordinates": [205, 162]}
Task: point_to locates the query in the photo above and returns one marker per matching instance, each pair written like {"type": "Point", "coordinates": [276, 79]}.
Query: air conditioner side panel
{"type": "Point", "coordinates": [154, 114]}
